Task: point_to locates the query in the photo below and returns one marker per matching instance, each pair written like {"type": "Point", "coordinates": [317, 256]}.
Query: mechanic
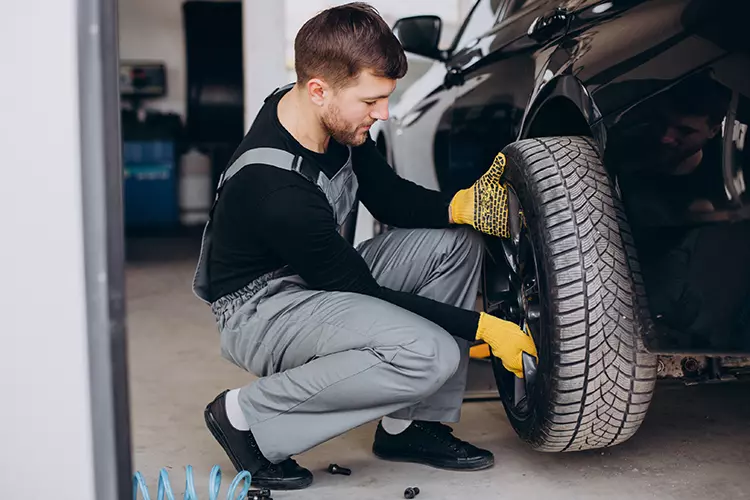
{"type": "Point", "coordinates": [342, 336]}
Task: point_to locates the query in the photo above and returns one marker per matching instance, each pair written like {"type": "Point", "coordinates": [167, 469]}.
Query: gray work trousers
{"type": "Point", "coordinates": [332, 361]}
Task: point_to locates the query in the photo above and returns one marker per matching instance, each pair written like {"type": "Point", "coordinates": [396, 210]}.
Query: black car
{"type": "Point", "coordinates": [624, 125]}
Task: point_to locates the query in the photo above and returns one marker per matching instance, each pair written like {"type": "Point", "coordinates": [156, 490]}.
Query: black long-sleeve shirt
{"type": "Point", "coordinates": [267, 218]}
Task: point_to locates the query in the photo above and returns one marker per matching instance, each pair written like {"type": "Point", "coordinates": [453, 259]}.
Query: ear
{"type": "Point", "coordinates": [318, 91]}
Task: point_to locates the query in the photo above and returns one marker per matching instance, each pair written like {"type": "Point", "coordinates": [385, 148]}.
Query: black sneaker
{"type": "Point", "coordinates": [244, 453]}
{"type": "Point", "coordinates": [430, 443]}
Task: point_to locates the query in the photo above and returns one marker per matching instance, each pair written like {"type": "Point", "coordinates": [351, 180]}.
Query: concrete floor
{"type": "Point", "coordinates": [695, 443]}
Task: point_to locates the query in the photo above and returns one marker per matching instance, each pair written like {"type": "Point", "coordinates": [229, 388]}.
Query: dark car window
{"type": "Point", "coordinates": [480, 19]}
{"type": "Point", "coordinates": [668, 153]}
{"type": "Point", "coordinates": [682, 174]}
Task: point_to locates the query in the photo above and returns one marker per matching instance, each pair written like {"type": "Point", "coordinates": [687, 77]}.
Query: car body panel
{"type": "Point", "coordinates": [420, 119]}
{"type": "Point", "coordinates": [602, 71]}
{"type": "Point", "coordinates": [498, 74]}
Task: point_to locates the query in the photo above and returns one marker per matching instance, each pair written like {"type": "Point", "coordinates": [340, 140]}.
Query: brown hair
{"type": "Point", "coordinates": [700, 95]}
{"type": "Point", "coordinates": [340, 42]}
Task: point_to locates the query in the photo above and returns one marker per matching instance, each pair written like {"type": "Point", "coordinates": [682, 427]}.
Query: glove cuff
{"type": "Point", "coordinates": [485, 323]}
{"type": "Point", "coordinates": [462, 207]}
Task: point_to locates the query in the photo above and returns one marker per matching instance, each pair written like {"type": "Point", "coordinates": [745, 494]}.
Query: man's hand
{"type": "Point", "coordinates": [484, 205]}
{"type": "Point", "coordinates": [507, 341]}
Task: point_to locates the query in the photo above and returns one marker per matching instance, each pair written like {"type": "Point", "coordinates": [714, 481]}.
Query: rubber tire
{"type": "Point", "coordinates": [595, 379]}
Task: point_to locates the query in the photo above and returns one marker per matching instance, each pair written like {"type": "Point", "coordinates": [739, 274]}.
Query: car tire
{"type": "Point", "coordinates": [595, 379]}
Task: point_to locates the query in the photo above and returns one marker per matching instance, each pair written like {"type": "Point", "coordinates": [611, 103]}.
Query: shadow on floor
{"type": "Point", "coordinates": [163, 246]}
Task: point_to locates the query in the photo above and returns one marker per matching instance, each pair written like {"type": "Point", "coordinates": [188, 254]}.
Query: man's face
{"type": "Point", "coordinates": [661, 144]}
{"type": "Point", "coordinates": [350, 112]}
{"type": "Point", "coordinates": [683, 136]}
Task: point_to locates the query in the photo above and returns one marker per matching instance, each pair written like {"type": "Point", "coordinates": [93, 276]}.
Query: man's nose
{"type": "Point", "coordinates": [669, 137]}
{"type": "Point", "coordinates": [381, 111]}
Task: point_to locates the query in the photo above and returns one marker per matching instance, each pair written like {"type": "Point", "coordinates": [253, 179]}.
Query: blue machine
{"type": "Point", "coordinates": [150, 184]}
{"type": "Point", "coordinates": [151, 144]}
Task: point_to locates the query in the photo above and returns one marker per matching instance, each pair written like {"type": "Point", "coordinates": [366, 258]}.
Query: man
{"type": "Point", "coordinates": [338, 336]}
{"type": "Point", "coordinates": [670, 172]}
{"type": "Point", "coordinates": [669, 164]}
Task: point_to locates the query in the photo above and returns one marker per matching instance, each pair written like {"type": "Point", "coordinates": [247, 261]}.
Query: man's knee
{"type": "Point", "coordinates": [448, 358]}
{"type": "Point", "coordinates": [469, 239]}
{"type": "Point", "coordinates": [428, 361]}
{"type": "Point", "coordinates": [461, 241]}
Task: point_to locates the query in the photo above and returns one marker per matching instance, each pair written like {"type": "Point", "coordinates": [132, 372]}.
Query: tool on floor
{"type": "Point", "coordinates": [337, 469]}
{"type": "Point", "coordinates": [411, 492]}
{"type": "Point", "coordinates": [259, 495]}
{"type": "Point", "coordinates": [255, 496]}
{"type": "Point", "coordinates": [214, 484]}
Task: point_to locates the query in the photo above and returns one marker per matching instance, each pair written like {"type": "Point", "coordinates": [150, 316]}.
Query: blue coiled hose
{"type": "Point", "coordinates": [214, 483]}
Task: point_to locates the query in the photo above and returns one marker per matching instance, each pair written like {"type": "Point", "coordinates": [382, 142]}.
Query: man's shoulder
{"type": "Point", "coordinates": [267, 191]}
{"type": "Point", "coordinates": [260, 179]}
{"type": "Point", "coordinates": [260, 136]}
{"type": "Point", "coordinates": [265, 166]}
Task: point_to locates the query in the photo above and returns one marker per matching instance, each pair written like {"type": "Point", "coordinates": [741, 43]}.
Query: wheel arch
{"type": "Point", "coordinates": [563, 107]}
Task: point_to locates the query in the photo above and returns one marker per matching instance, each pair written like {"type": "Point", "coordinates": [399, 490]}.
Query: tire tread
{"type": "Point", "coordinates": [603, 379]}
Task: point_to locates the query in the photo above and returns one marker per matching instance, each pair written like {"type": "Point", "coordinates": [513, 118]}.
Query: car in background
{"type": "Point", "coordinates": [624, 124]}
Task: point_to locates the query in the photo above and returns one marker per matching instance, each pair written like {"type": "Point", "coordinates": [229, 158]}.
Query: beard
{"type": "Point", "coordinates": [341, 131]}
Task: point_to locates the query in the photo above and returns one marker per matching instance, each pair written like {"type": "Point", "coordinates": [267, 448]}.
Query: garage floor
{"type": "Point", "coordinates": [695, 443]}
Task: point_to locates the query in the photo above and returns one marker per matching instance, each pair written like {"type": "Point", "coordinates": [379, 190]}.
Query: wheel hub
{"type": "Point", "coordinates": [524, 307]}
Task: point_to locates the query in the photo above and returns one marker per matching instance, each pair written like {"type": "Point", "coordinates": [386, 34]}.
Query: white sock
{"type": "Point", "coordinates": [395, 426]}
{"type": "Point", "coordinates": [234, 412]}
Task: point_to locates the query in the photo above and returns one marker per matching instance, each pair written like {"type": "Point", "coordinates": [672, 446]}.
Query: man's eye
{"type": "Point", "coordinates": [370, 103]}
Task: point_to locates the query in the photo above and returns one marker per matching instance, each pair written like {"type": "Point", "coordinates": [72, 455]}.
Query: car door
{"type": "Point", "coordinates": [416, 123]}
{"type": "Point", "coordinates": [493, 76]}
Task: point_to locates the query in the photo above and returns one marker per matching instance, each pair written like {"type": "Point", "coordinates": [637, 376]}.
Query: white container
{"type": "Point", "coordinates": [196, 188]}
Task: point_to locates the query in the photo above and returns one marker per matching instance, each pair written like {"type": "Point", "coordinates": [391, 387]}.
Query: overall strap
{"type": "Point", "coordinates": [267, 156]}
{"type": "Point", "coordinates": [279, 89]}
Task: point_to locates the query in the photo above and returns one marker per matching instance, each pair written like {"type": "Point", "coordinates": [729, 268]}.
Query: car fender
{"type": "Point", "coordinates": [565, 99]}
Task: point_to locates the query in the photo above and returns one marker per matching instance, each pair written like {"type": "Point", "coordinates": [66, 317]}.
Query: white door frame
{"type": "Point", "coordinates": [63, 372]}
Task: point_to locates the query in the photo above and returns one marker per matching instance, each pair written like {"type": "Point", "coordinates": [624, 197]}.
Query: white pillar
{"type": "Point", "coordinates": [264, 52]}
{"type": "Point", "coordinates": [44, 364]}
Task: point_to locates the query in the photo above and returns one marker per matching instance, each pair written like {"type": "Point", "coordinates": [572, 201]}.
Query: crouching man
{"type": "Point", "coordinates": [342, 336]}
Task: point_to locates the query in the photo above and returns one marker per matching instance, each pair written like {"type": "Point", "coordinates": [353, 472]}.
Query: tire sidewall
{"type": "Point", "coordinates": [529, 428]}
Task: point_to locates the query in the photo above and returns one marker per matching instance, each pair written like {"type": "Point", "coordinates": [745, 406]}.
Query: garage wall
{"type": "Point", "coordinates": [152, 30]}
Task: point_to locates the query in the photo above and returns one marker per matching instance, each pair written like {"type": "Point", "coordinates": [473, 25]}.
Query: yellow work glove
{"type": "Point", "coordinates": [484, 205]}
{"type": "Point", "coordinates": [507, 341]}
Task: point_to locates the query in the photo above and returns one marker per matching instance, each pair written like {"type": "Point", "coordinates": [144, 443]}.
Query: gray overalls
{"type": "Point", "coordinates": [332, 361]}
